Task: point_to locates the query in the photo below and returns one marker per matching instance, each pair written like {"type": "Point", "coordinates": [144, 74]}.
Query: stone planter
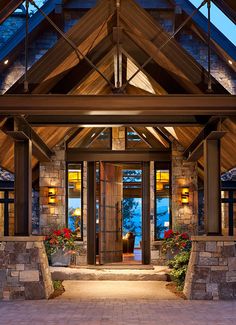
{"type": "Point", "coordinates": [60, 258]}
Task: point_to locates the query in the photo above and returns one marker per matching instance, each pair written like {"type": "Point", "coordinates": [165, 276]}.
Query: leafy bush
{"type": "Point", "coordinates": [179, 265]}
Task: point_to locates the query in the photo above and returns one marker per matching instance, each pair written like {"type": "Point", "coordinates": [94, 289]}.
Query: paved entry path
{"type": "Point", "coordinates": [118, 303]}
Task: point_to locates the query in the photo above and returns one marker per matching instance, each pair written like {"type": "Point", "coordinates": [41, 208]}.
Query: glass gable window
{"type": "Point", "coordinates": [162, 199]}
{"type": "Point", "coordinates": [74, 203]}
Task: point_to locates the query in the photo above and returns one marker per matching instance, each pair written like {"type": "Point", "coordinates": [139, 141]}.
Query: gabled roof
{"type": "Point", "coordinates": [170, 70]}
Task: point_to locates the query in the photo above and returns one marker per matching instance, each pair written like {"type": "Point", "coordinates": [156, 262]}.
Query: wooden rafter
{"type": "Point", "coordinates": [51, 68]}
{"type": "Point", "coordinates": [150, 36]}
{"type": "Point", "coordinates": [7, 7]}
{"type": "Point", "coordinates": [147, 137]}
{"type": "Point", "coordinates": [19, 129]}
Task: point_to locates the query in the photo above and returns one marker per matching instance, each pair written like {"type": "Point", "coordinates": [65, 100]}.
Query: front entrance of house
{"type": "Point", "coordinates": [119, 213]}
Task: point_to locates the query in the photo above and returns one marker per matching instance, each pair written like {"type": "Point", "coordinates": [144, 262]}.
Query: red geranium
{"type": "Point", "coordinates": [60, 239]}
{"type": "Point", "coordinates": [168, 234]}
{"type": "Point", "coordinates": [184, 235]}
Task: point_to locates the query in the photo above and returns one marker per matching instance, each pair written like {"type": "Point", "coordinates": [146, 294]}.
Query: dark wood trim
{"type": "Point", "coordinates": [74, 155]}
{"type": "Point", "coordinates": [23, 187]}
{"type": "Point", "coordinates": [19, 129]}
{"type": "Point", "coordinates": [116, 119]}
{"type": "Point", "coordinates": [210, 126]}
{"type": "Point", "coordinates": [212, 186]}
{"type": "Point", "coordinates": [91, 213]}
{"type": "Point", "coordinates": [7, 7]}
{"type": "Point", "coordinates": [146, 249]}
{"type": "Point", "coordinates": [120, 105]}
{"type": "Point", "coordinates": [198, 151]}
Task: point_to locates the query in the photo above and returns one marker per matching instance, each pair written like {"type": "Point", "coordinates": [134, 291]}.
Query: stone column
{"type": "Point", "coordinates": [184, 216]}
{"type": "Point", "coordinates": [52, 174]}
{"type": "Point", "coordinates": [118, 138]}
{"type": "Point", "coordinates": [211, 273]}
{"type": "Point", "coordinates": [24, 270]}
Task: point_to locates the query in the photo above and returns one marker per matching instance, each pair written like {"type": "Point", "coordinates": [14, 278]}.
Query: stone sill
{"type": "Point", "coordinates": [21, 238]}
{"type": "Point", "coordinates": [213, 238]}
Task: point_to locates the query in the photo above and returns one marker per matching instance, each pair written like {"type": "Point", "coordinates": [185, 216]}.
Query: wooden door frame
{"type": "Point", "coordinates": [91, 214]}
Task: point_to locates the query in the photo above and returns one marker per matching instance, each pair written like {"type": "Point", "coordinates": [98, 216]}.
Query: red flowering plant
{"type": "Point", "coordinates": [60, 239]}
{"type": "Point", "coordinates": [175, 242]}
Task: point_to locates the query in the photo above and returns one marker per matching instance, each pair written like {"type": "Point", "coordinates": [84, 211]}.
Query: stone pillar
{"type": "Point", "coordinates": [118, 138]}
{"type": "Point", "coordinates": [184, 216]}
{"type": "Point", "coordinates": [52, 174]}
{"type": "Point", "coordinates": [24, 270]}
{"type": "Point", "coordinates": [211, 273]}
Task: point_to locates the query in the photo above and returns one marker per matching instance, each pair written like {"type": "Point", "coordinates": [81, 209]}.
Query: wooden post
{"type": "Point", "coordinates": [146, 213]}
{"type": "Point", "coordinates": [91, 212]}
{"type": "Point", "coordinates": [212, 194]}
{"type": "Point", "coordinates": [23, 187]}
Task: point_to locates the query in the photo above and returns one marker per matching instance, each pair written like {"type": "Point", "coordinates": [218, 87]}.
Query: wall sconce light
{"type": "Point", "coordinates": [185, 195]}
{"type": "Point", "coordinates": [51, 195]}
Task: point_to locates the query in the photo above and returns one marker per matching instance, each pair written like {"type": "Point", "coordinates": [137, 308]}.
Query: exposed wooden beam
{"type": "Point", "coordinates": [75, 132]}
{"type": "Point", "coordinates": [197, 153]}
{"type": "Point", "coordinates": [119, 105]}
{"type": "Point", "coordinates": [72, 154]}
{"type": "Point", "coordinates": [19, 129]}
{"type": "Point", "coordinates": [212, 125]}
{"type": "Point", "coordinates": [106, 121]}
{"type": "Point", "coordinates": [147, 137]}
{"type": "Point", "coordinates": [51, 68]}
{"type": "Point", "coordinates": [149, 35]}
{"type": "Point", "coordinates": [7, 7]}
{"type": "Point", "coordinates": [92, 135]}
{"type": "Point", "coordinates": [23, 187]}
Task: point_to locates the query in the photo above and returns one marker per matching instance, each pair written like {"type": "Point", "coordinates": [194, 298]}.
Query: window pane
{"type": "Point", "coordinates": [75, 198]}
{"type": "Point", "coordinates": [162, 202]}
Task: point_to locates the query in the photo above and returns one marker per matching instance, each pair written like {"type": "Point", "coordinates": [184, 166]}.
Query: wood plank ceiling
{"type": "Point", "coordinates": [141, 36]}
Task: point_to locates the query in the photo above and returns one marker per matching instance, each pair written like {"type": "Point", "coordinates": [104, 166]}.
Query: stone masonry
{"type": "Point", "coordinates": [184, 216]}
{"type": "Point", "coordinates": [211, 272]}
{"type": "Point", "coordinates": [52, 174]}
{"type": "Point", "coordinates": [24, 270]}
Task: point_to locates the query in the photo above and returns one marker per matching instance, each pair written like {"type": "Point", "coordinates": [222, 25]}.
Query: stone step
{"type": "Point", "coordinates": [157, 273]}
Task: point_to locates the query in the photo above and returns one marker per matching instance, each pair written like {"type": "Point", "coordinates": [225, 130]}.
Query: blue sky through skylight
{"type": "Point", "coordinates": [219, 19]}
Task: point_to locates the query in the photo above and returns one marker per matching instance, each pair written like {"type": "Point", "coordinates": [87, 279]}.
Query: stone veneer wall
{"type": "Point", "coordinates": [184, 216]}
{"type": "Point", "coordinates": [211, 272]}
{"type": "Point", "coordinates": [24, 270]}
{"type": "Point", "coordinates": [118, 138]}
{"type": "Point", "coordinates": [52, 174]}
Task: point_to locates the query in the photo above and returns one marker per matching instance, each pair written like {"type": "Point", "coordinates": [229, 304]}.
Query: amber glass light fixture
{"type": "Point", "coordinates": [51, 195]}
{"type": "Point", "coordinates": [162, 178]}
{"type": "Point", "coordinates": [185, 195]}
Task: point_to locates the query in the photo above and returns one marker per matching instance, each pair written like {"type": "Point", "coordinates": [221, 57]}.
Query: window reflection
{"type": "Point", "coordinates": [75, 198]}
{"type": "Point", "coordinates": [162, 201]}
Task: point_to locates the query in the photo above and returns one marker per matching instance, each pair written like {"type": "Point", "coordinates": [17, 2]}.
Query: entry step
{"type": "Point", "coordinates": [156, 273]}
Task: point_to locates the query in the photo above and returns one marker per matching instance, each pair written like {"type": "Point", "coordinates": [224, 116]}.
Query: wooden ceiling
{"type": "Point", "coordinates": [171, 69]}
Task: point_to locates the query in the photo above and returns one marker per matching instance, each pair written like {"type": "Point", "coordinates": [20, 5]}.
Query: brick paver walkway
{"type": "Point", "coordinates": [104, 311]}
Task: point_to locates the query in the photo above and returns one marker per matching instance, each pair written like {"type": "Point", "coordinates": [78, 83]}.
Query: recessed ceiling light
{"type": "Point", "coordinates": [6, 62]}
{"type": "Point", "coordinates": [230, 62]}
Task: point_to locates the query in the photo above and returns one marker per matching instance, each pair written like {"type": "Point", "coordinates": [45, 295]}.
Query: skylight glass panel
{"type": "Point", "coordinates": [219, 19]}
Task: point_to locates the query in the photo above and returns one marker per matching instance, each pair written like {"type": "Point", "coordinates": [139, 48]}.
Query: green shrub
{"type": "Point", "coordinates": [179, 266]}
